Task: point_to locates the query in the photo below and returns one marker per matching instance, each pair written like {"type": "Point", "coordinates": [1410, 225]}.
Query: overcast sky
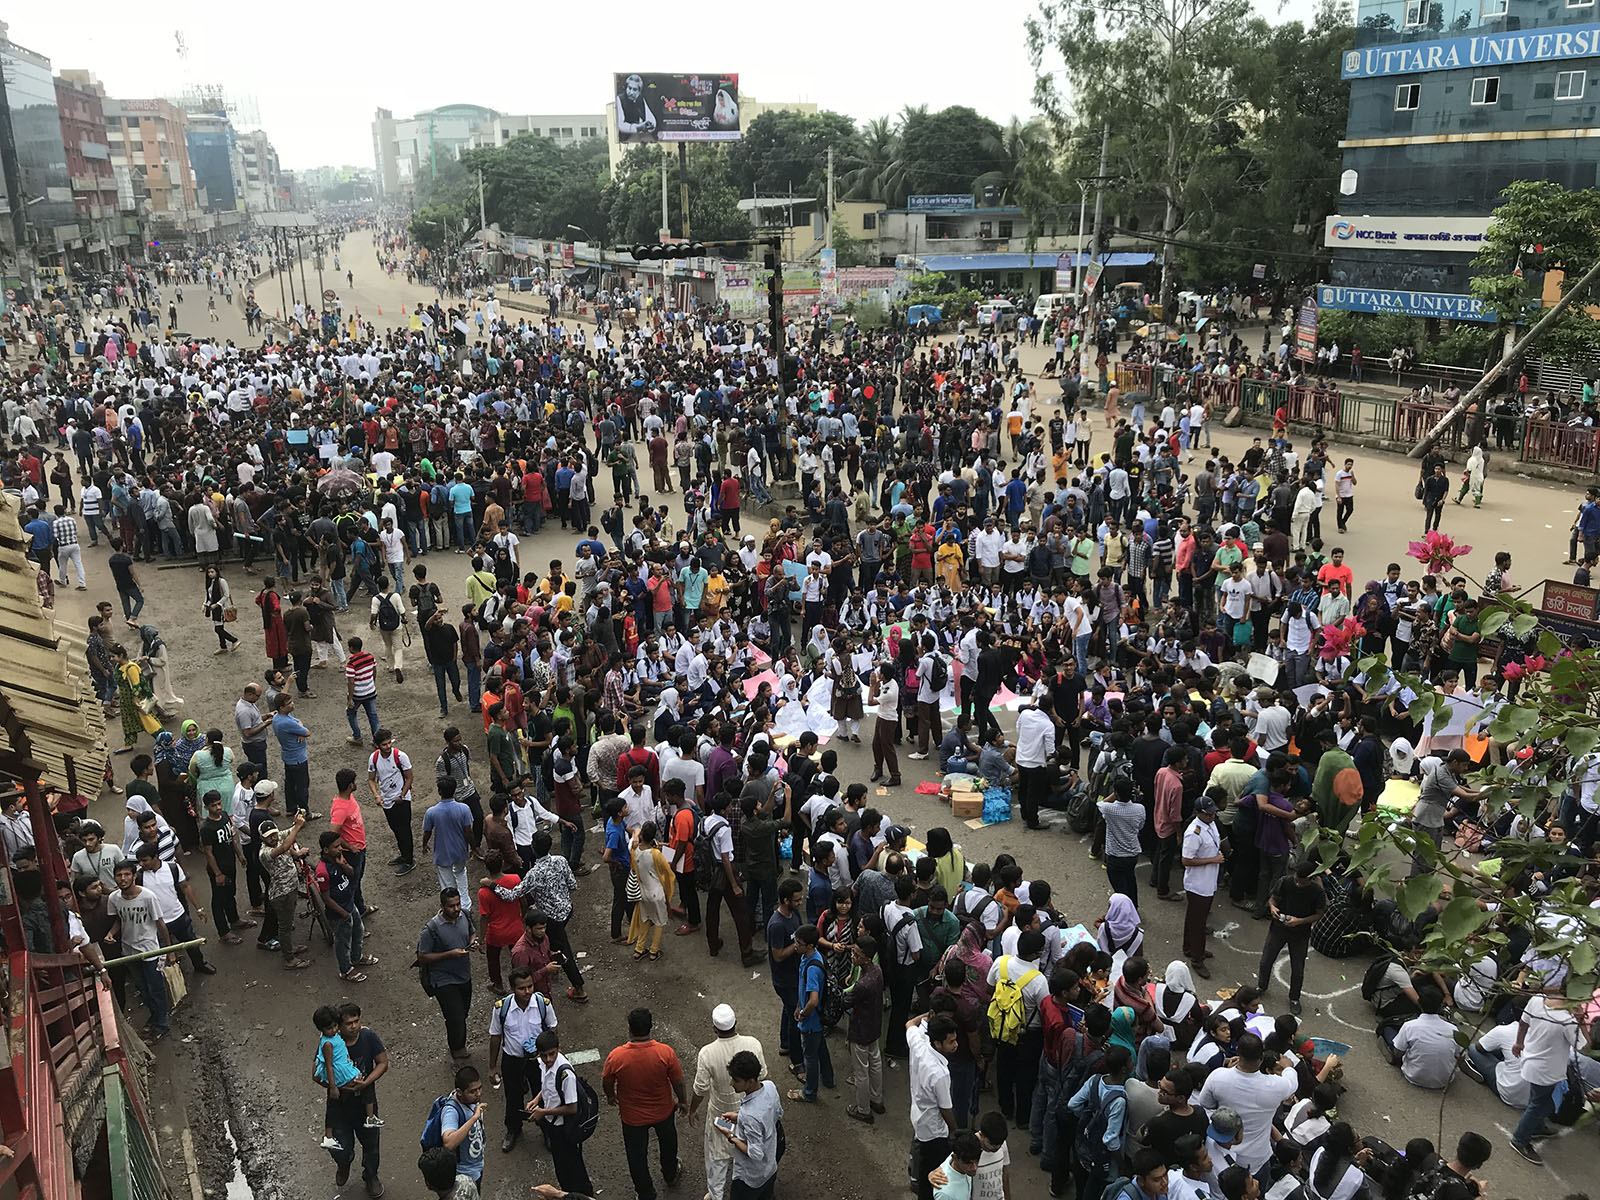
{"type": "Point", "coordinates": [316, 71]}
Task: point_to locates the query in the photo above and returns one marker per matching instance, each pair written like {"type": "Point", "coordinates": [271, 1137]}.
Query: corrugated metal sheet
{"type": "Point", "coordinates": [44, 675]}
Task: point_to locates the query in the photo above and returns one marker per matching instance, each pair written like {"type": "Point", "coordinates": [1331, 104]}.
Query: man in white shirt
{"type": "Point", "coordinates": [932, 1041]}
{"type": "Point", "coordinates": [1202, 866]}
{"type": "Point", "coordinates": [1252, 1093]}
{"type": "Point", "coordinates": [1547, 1034]}
{"type": "Point", "coordinates": [987, 546]}
{"type": "Point", "coordinates": [1036, 742]}
{"type": "Point", "coordinates": [1271, 727]}
{"type": "Point", "coordinates": [1237, 595]}
{"type": "Point", "coordinates": [556, 1105]}
{"type": "Point", "coordinates": [1427, 1043]}
{"type": "Point", "coordinates": [714, 1093]}
{"type": "Point", "coordinates": [1490, 1061]}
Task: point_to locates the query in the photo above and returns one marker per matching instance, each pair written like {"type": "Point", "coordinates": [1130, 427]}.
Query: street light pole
{"type": "Point", "coordinates": [1077, 262]}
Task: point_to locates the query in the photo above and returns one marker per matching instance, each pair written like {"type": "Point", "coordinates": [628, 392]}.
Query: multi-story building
{"type": "Point", "coordinates": [563, 130]}
{"type": "Point", "coordinates": [79, 97]}
{"type": "Point", "coordinates": [51, 219]}
{"type": "Point", "coordinates": [403, 150]}
{"type": "Point", "coordinates": [217, 160]}
{"type": "Point", "coordinates": [149, 148]}
{"type": "Point", "coordinates": [1450, 101]}
{"type": "Point", "coordinates": [261, 173]}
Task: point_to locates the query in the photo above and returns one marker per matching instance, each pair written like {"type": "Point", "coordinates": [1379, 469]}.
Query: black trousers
{"type": "Point", "coordinates": [636, 1142]}
{"type": "Point", "coordinates": [1298, 940]}
{"type": "Point", "coordinates": [346, 1118]}
{"type": "Point", "coordinates": [572, 1173]}
{"type": "Point", "coordinates": [902, 984]}
{"type": "Point", "coordinates": [1016, 1072]}
{"type": "Point", "coordinates": [621, 906]}
{"type": "Point", "coordinates": [744, 1191]}
{"type": "Point", "coordinates": [455, 1000]}
{"type": "Point", "coordinates": [925, 1156]}
{"type": "Point", "coordinates": [689, 897]}
{"type": "Point", "coordinates": [1122, 876]}
{"type": "Point", "coordinates": [225, 902]}
{"type": "Point", "coordinates": [398, 815]}
{"type": "Point", "coordinates": [1033, 789]}
{"type": "Point", "coordinates": [518, 1075]}
{"type": "Point", "coordinates": [556, 932]}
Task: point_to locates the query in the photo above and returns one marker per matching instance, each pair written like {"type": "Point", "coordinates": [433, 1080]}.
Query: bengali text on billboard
{"type": "Point", "coordinates": [655, 107]}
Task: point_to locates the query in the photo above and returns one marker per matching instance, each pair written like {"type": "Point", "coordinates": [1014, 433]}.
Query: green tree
{"type": "Point", "coordinates": [948, 151]}
{"type": "Point", "coordinates": [1166, 74]}
{"type": "Point", "coordinates": [935, 287]}
{"type": "Point", "coordinates": [784, 152]}
{"type": "Point", "coordinates": [1540, 227]}
{"type": "Point", "coordinates": [876, 170]}
{"type": "Point", "coordinates": [441, 226]}
{"type": "Point", "coordinates": [849, 251]}
{"type": "Point", "coordinates": [630, 204]}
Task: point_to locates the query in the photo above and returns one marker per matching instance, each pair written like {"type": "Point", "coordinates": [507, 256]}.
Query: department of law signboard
{"type": "Point", "coordinates": [1458, 235]}
{"type": "Point", "coordinates": [1481, 50]}
{"type": "Point", "coordinates": [1452, 306]}
{"type": "Point", "coordinates": [943, 200]}
{"type": "Point", "coordinates": [653, 107]}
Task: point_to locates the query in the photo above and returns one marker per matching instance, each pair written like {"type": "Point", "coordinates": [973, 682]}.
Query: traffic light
{"type": "Point", "coordinates": [659, 250]}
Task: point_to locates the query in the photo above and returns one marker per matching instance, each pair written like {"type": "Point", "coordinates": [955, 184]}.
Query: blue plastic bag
{"type": "Point", "coordinates": [996, 805]}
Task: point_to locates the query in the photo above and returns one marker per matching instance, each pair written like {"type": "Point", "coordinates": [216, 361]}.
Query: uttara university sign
{"type": "Point", "coordinates": [1481, 50]}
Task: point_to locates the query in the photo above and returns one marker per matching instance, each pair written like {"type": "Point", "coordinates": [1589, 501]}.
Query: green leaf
{"type": "Point", "coordinates": [1490, 867]}
{"type": "Point", "coordinates": [1581, 740]}
{"type": "Point", "coordinates": [1582, 959]}
{"type": "Point", "coordinates": [1416, 893]}
{"type": "Point", "coordinates": [1461, 918]}
{"type": "Point", "coordinates": [1492, 621]}
{"type": "Point", "coordinates": [1524, 624]}
{"type": "Point", "coordinates": [1549, 644]}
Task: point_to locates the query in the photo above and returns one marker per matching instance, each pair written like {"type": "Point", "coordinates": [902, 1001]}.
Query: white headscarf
{"type": "Point", "coordinates": [1175, 998]}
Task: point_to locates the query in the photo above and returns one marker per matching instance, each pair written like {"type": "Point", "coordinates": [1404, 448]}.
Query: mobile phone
{"type": "Point", "coordinates": [724, 1124]}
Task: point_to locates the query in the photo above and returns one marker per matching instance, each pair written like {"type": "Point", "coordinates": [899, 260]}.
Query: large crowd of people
{"type": "Point", "coordinates": [1173, 625]}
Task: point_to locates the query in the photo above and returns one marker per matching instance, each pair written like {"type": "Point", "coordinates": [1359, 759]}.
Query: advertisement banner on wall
{"type": "Point", "coordinates": [801, 281]}
{"type": "Point", "coordinates": [1305, 332]}
{"type": "Point", "coordinates": [1459, 235]}
{"type": "Point", "coordinates": [828, 275]}
{"type": "Point", "coordinates": [1063, 272]}
{"type": "Point", "coordinates": [654, 107]}
{"type": "Point", "coordinates": [1092, 276]}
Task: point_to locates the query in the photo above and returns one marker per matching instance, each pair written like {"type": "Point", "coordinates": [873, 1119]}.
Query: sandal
{"type": "Point", "coordinates": [354, 977]}
{"type": "Point", "coordinates": [367, 960]}
{"type": "Point", "coordinates": [638, 954]}
{"type": "Point", "coordinates": [572, 994]}
{"type": "Point", "coordinates": [797, 1070]}
{"type": "Point", "coordinates": [654, 956]}
{"type": "Point", "coordinates": [296, 964]}
{"type": "Point", "coordinates": [686, 930]}
{"type": "Point", "coordinates": [797, 1096]}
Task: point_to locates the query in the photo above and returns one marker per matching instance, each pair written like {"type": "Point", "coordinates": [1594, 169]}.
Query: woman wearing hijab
{"type": "Point", "coordinates": [1132, 990]}
{"type": "Point", "coordinates": [1122, 1023]}
{"type": "Point", "coordinates": [139, 807]}
{"type": "Point", "coordinates": [153, 654]}
{"type": "Point", "coordinates": [970, 950]}
{"type": "Point", "coordinates": [1334, 1174]}
{"type": "Point", "coordinates": [1121, 929]}
{"type": "Point", "coordinates": [1181, 1011]}
{"type": "Point", "coordinates": [133, 694]}
{"type": "Point", "coordinates": [172, 759]}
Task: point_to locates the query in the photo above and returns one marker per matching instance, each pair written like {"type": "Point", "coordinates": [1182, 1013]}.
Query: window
{"type": "Point", "coordinates": [1494, 8]}
{"type": "Point", "coordinates": [1486, 89]}
{"type": "Point", "coordinates": [1406, 96]}
{"type": "Point", "coordinates": [1004, 229]}
{"type": "Point", "coordinates": [1569, 85]}
{"type": "Point", "coordinates": [939, 227]}
{"type": "Point", "coordinates": [1416, 13]}
{"type": "Point", "coordinates": [1580, 3]}
{"type": "Point", "coordinates": [566, 132]}
{"type": "Point", "coordinates": [985, 229]}
{"type": "Point", "coordinates": [533, 133]}
{"type": "Point", "coordinates": [869, 220]}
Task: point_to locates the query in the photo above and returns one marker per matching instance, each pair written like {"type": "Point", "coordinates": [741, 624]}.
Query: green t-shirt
{"type": "Point", "coordinates": [1462, 651]}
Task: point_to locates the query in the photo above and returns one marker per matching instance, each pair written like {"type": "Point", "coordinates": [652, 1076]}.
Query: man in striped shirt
{"type": "Point", "coordinates": [65, 529]}
{"type": "Point", "coordinates": [361, 690]}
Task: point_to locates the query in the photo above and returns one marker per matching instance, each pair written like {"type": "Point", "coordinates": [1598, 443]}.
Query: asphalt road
{"type": "Point", "coordinates": [238, 1069]}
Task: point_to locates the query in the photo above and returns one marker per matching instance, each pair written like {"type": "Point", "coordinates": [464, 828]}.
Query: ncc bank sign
{"type": "Point", "coordinates": [1482, 50]}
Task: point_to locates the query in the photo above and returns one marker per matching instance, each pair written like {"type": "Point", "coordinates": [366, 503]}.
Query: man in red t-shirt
{"type": "Point", "coordinates": [345, 817]}
{"type": "Point", "coordinates": [644, 1080]}
{"type": "Point", "coordinates": [1335, 568]}
{"type": "Point", "coordinates": [499, 921]}
{"type": "Point", "coordinates": [728, 500]}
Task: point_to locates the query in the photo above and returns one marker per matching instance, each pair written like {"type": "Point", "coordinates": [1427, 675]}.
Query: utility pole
{"type": "Point", "coordinates": [483, 221]}
{"type": "Point", "coordinates": [304, 290]}
{"type": "Point", "coordinates": [316, 236]}
{"type": "Point", "coordinates": [827, 228]}
{"type": "Point", "coordinates": [278, 233]}
{"type": "Point", "coordinates": [12, 172]}
{"type": "Point", "coordinates": [683, 185]}
{"type": "Point", "coordinates": [288, 269]}
{"type": "Point", "coordinates": [666, 230]}
{"type": "Point", "coordinates": [1100, 180]}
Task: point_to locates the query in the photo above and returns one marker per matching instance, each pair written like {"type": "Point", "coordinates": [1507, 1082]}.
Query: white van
{"type": "Point", "coordinates": [1048, 303]}
{"type": "Point", "coordinates": [1001, 314]}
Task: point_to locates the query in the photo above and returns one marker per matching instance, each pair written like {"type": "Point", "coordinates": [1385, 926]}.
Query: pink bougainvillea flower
{"type": "Point", "coordinates": [1534, 663]}
{"type": "Point", "coordinates": [1512, 670]}
{"type": "Point", "coordinates": [1339, 640]}
{"type": "Point", "coordinates": [1438, 551]}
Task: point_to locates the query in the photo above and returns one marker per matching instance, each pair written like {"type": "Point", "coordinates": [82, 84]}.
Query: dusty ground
{"type": "Point", "coordinates": [238, 1066]}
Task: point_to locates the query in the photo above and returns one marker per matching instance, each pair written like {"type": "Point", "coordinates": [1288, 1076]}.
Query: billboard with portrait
{"type": "Point", "coordinates": [655, 107]}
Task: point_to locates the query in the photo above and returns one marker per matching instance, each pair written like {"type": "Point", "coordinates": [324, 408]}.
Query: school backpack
{"type": "Point", "coordinates": [581, 1125]}
{"type": "Point", "coordinates": [1007, 1012]}
{"type": "Point", "coordinates": [433, 1128]}
{"type": "Point", "coordinates": [1091, 1138]}
{"type": "Point", "coordinates": [939, 674]}
{"type": "Point", "coordinates": [388, 614]}
{"type": "Point", "coordinates": [707, 863]}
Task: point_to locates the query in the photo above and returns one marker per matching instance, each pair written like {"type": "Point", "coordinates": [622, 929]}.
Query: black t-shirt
{"type": "Point", "coordinates": [1166, 1127]}
{"type": "Point", "coordinates": [258, 818]}
{"type": "Point", "coordinates": [1297, 899]}
{"type": "Point", "coordinates": [1066, 696]}
{"type": "Point", "coordinates": [780, 935]}
{"type": "Point", "coordinates": [121, 571]}
{"type": "Point", "coordinates": [364, 1054]}
{"type": "Point", "coordinates": [219, 836]}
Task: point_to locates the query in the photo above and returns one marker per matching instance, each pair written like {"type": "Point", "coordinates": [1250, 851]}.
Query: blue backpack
{"type": "Point", "coordinates": [433, 1128]}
